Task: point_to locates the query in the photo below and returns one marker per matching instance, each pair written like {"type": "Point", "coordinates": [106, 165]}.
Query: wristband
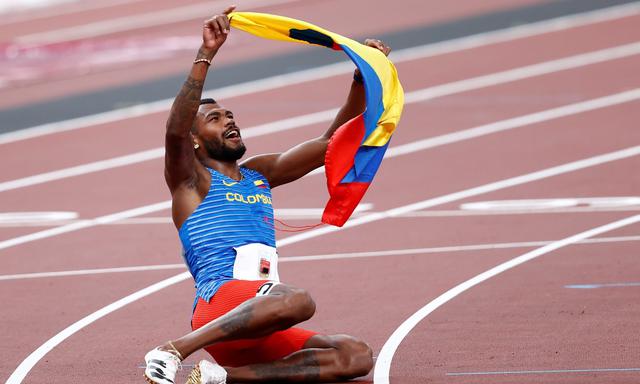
{"type": "Point", "coordinates": [202, 61]}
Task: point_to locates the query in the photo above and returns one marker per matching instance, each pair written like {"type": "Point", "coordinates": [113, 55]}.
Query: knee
{"type": "Point", "coordinates": [355, 357]}
{"type": "Point", "coordinates": [297, 305]}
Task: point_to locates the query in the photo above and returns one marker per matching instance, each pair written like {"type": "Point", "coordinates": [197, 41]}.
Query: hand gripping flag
{"type": "Point", "coordinates": [356, 149]}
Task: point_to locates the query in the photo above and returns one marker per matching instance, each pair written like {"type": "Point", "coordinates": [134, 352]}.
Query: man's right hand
{"type": "Point", "coordinates": [216, 30]}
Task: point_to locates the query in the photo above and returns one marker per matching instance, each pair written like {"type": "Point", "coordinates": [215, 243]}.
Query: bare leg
{"type": "Point", "coordinates": [282, 308]}
{"type": "Point", "coordinates": [323, 359]}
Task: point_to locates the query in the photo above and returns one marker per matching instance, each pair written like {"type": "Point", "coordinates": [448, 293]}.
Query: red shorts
{"type": "Point", "coordinates": [238, 353]}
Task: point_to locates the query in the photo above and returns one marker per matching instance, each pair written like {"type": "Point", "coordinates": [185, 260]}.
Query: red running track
{"type": "Point", "coordinates": [522, 325]}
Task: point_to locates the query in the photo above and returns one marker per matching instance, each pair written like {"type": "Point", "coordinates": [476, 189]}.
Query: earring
{"type": "Point", "coordinates": [196, 146]}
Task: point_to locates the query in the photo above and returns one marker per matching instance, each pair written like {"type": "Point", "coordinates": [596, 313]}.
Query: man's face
{"type": "Point", "coordinates": [217, 131]}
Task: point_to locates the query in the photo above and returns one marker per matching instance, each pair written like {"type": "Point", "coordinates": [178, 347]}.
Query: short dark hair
{"type": "Point", "coordinates": [202, 101]}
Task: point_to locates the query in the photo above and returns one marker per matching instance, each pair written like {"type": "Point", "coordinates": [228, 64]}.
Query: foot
{"type": "Point", "coordinates": [206, 372]}
{"type": "Point", "coordinates": [161, 367]}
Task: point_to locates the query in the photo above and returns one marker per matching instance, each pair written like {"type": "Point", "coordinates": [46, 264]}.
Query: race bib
{"type": "Point", "coordinates": [256, 262]}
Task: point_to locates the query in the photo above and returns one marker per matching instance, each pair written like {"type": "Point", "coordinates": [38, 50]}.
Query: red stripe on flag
{"type": "Point", "coordinates": [344, 200]}
{"type": "Point", "coordinates": [341, 151]}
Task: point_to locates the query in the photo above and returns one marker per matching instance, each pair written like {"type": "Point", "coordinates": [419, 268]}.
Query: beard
{"type": "Point", "coordinates": [224, 153]}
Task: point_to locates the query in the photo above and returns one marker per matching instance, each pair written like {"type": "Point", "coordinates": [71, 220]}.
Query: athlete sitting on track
{"type": "Point", "coordinates": [243, 316]}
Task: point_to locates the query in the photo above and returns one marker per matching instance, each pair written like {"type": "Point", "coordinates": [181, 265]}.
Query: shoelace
{"type": "Point", "coordinates": [177, 361]}
{"type": "Point", "coordinates": [177, 356]}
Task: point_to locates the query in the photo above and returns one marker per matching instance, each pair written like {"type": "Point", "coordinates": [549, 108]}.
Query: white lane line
{"type": "Point", "coordinates": [411, 97]}
{"type": "Point", "coordinates": [23, 369]}
{"type": "Point", "coordinates": [83, 169]}
{"type": "Point", "coordinates": [28, 363]}
{"type": "Point", "coordinates": [545, 371]}
{"type": "Point", "coordinates": [341, 256]}
{"type": "Point", "coordinates": [462, 213]}
{"type": "Point", "coordinates": [552, 203]}
{"type": "Point", "coordinates": [632, 151]}
{"type": "Point", "coordinates": [528, 30]}
{"type": "Point", "coordinates": [605, 285]}
{"type": "Point", "coordinates": [97, 271]}
{"type": "Point", "coordinates": [85, 224]}
{"type": "Point", "coordinates": [408, 54]}
{"type": "Point", "coordinates": [199, 11]}
{"type": "Point", "coordinates": [517, 122]}
{"type": "Point", "coordinates": [383, 363]}
{"type": "Point", "coordinates": [164, 220]}
{"type": "Point", "coordinates": [396, 151]}
{"type": "Point", "coordinates": [491, 187]}
{"type": "Point", "coordinates": [43, 218]}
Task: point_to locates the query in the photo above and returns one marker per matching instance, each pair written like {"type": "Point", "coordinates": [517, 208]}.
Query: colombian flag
{"type": "Point", "coordinates": [358, 146]}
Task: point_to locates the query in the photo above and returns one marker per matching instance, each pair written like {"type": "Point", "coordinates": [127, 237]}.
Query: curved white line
{"type": "Point", "coordinates": [383, 363]}
{"type": "Point", "coordinates": [24, 367]}
{"type": "Point", "coordinates": [19, 374]}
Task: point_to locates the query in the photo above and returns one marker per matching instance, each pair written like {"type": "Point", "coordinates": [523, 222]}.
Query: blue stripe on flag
{"type": "Point", "coordinates": [373, 91]}
{"type": "Point", "coordinates": [366, 164]}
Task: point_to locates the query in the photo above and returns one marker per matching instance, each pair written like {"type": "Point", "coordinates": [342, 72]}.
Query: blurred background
{"type": "Point", "coordinates": [66, 58]}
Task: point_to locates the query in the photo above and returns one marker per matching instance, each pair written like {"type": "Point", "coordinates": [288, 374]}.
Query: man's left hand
{"type": "Point", "coordinates": [379, 45]}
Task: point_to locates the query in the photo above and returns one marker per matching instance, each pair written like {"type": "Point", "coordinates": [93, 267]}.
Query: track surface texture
{"type": "Point", "coordinates": [499, 242]}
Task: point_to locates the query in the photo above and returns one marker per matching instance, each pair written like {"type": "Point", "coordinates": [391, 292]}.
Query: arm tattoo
{"type": "Point", "coordinates": [202, 54]}
{"type": "Point", "coordinates": [185, 106]}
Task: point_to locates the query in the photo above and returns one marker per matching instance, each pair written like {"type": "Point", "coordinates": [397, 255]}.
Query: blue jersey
{"type": "Point", "coordinates": [234, 213]}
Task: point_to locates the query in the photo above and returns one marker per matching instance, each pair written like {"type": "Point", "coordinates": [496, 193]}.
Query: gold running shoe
{"type": "Point", "coordinates": [206, 372]}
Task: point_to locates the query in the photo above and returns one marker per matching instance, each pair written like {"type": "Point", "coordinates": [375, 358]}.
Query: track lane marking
{"type": "Point", "coordinates": [95, 271]}
{"type": "Point", "coordinates": [602, 285]}
{"type": "Point", "coordinates": [383, 363]}
{"type": "Point", "coordinates": [463, 213]}
{"type": "Point", "coordinates": [411, 97]}
{"type": "Point", "coordinates": [23, 369]}
{"type": "Point", "coordinates": [416, 214]}
{"type": "Point", "coordinates": [587, 370]}
{"type": "Point", "coordinates": [341, 256]}
{"type": "Point", "coordinates": [537, 117]}
{"type": "Point", "coordinates": [30, 361]}
{"type": "Point", "coordinates": [323, 72]}
{"type": "Point", "coordinates": [85, 224]}
{"type": "Point", "coordinates": [553, 203]}
{"type": "Point", "coordinates": [508, 124]}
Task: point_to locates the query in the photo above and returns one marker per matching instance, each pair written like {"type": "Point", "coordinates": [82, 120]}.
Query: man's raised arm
{"type": "Point", "coordinates": [282, 168]}
{"type": "Point", "coordinates": [179, 155]}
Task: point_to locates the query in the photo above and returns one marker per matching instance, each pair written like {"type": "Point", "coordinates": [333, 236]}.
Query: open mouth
{"type": "Point", "coordinates": [233, 133]}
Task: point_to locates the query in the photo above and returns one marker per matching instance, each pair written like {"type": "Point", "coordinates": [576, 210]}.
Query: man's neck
{"type": "Point", "coordinates": [228, 168]}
